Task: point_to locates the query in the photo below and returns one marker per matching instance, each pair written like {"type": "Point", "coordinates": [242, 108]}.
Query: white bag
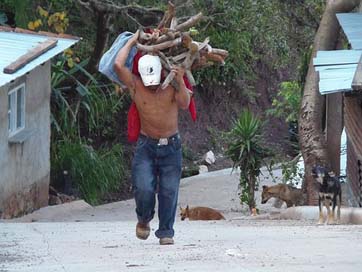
{"type": "Point", "coordinates": [106, 63]}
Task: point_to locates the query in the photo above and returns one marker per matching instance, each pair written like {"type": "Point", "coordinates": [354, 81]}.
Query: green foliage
{"type": "Point", "coordinates": [188, 153]}
{"type": "Point", "coordinates": [304, 66]}
{"type": "Point", "coordinates": [95, 102]}
{"type": "Point", "coordinates": [240, 56]}
{"type": "Point", "coordinates": [255, 32]}
{"type": "Point", "coordinates": [60, 5]}
{"type": "Point", "coordinates": [81, 112]}
{"type": "Point", "coordinates": [247, 153]}
{"type": "Point", "coordinates": [248, 31]}
{"type": "Point", "coordinates": [94, 172]}
{"type": "Point", "coordinates": [21, 14]}
{"type": "Point", "coordinates": [291, 172]}
{"type": "Point", "coordinates": [216, 139]}
{"type": "Point", "coordinates": [288, 100]}
{"type": "Point", "coordinates": [20, 8]}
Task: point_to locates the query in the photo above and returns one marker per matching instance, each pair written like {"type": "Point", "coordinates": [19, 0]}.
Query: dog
{"type": "Point", "coordinates": [292, 196]}
{"type": "Point", "coordinates": [200, 213]}
{"type": "Point", "coordinates": [330, 193]}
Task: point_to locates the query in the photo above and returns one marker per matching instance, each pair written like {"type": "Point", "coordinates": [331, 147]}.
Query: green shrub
{"type": "Point", "coordinates": [83, 110]}
{"type": "Point", "coordinates": [287, 103]}
{"type": "Point", "coordinates": [93, 172]}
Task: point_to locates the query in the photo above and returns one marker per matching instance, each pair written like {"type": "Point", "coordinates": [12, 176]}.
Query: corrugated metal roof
{"type": "Point", "coordinates": [336, 69]}
{"type": "Point", "coordinates": [13, 45]}
{"type": "Point", "coordinates": [337, 57]}
{"type": "Point", "coordinates": [351, 24]}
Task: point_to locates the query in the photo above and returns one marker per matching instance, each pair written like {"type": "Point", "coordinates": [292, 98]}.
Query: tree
{"type": "Point", "coordinates": [104, 13]}
{"type": "Point", "coordinates": [311, 137]}
{"type": "Point", "coordinates": [247, 153]}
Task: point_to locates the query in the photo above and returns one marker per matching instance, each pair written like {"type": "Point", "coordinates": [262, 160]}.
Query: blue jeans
{"type": "Point", "coordinates": [157, 169]}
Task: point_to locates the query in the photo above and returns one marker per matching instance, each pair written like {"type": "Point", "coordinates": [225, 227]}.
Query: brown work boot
{"type": "Point", "coordinates": [142, 230]}
{"type": "Point", "coordinates": [166, 241]}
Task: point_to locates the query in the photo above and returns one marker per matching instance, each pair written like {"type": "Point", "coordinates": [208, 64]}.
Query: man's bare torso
{"type": "Point", "coordinates": [157, 109]}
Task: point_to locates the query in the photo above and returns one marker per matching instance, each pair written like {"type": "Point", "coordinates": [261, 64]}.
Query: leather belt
{"type": "Point", "coordinates": [163, 141]}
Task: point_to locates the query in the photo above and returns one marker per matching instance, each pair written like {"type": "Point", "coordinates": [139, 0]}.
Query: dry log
{"type": "Point", "coordinates": [168, 80]}
{"type": "Point", "coordinates": [190, 22]}
{"type": "Point", "coordinates": [215, 57]}
{"type": "Point", "coordinates": [168, 35]}
{"type": "Point", "coordinates": [202, 62]}
{"type": "Point", "coordinates": [173, 23]}
{"type": "Point", "coordinates": [175, 46]}
{"type": "Point", "coordinates": [190, 77]}
{"type": "Point", "coordinates": [179, 57]}
{"type": "Point", "coordinates": [186, 40]}
{"type": "Point", "coordinates": [169, 14]}
{"type": "Point", "coordinates": [192, 54]}
{"type": "Point", "coordinates": [221, 52]}
{"type": "Point", "coordinates": [159, 47]}
{"type": "Point", "coordinates": [165, 61]}
{"type": "Point", "coordinates": [149, 38]}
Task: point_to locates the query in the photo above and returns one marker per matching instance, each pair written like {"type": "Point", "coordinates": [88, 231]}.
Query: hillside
{"type": "Point", "coordinates": [268, 44]}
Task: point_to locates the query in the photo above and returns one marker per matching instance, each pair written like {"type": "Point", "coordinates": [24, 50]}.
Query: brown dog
{"type": "Point", "coordinates": [292, 196]}
{"type": "Point", "coordinates": [200, 213]}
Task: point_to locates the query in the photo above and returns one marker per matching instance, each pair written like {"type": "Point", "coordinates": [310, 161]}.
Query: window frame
{"type": "Point", "coordinates": [13, 109]}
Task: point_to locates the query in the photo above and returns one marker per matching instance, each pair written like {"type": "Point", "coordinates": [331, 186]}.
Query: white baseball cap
{"type": "Point", "coordinates": [149, 67]}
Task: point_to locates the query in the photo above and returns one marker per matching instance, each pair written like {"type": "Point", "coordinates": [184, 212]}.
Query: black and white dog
{"type": "Point", "coordinates": [330, 193]}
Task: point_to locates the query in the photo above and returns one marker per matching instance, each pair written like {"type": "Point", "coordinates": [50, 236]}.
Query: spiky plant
{"type": "Point", "coordinates": [246, 151]}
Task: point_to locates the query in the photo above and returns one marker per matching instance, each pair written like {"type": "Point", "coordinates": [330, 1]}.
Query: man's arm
{"type": "Point", "coordinates": [183, 94]}
{"type": "Point", "coordinates": [124, 74]}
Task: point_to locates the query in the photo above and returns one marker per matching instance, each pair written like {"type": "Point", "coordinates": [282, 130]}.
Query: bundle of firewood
{"type": "Point", "coordinates": [173, 43]}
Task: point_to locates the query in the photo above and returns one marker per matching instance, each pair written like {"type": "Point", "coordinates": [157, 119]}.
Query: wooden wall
{"type": "Point", "coordinates": [353, 124]}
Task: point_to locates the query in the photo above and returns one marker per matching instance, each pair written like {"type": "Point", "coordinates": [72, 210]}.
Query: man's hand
{"type": "Point", "coordinates": [183, 94]}
{"type": "Point", "coordinates": [179, 74]}
{"type": "Point", "coordinates": [134, 39]}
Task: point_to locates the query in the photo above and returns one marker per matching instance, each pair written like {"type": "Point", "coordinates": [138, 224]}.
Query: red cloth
{"type": "Point", "coordinates": [134, 122]}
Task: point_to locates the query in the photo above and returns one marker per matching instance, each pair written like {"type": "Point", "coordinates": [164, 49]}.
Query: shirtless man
{"type": "Point", "coordinates": [157, 159]}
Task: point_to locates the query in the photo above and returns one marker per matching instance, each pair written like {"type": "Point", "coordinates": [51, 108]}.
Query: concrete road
{"type": "Point", "coordinates": [200, 246]}
{"type": "Point", "coordinates": [79, 237]}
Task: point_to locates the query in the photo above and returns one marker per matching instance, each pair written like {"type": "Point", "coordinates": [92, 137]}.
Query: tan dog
{"type": "Point", "coordinates": [292, 196]}
{"type": "Point", "coordinates": [200, 213]}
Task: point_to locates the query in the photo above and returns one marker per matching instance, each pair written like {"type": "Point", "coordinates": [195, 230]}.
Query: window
{"type": "Point", "coordinates": [16, 109]}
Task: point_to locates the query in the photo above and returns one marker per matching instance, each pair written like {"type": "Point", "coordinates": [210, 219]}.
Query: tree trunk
{"type": "Point", "coordinates": [103, 29]}
{"type": "Point", "coordinates": [251, 192]}
{"type": "Point", "coordinates": [312, 139]}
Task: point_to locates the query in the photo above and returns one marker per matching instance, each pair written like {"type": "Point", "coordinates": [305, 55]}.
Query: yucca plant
{"type": "Point", "coordinates": [247, 153]}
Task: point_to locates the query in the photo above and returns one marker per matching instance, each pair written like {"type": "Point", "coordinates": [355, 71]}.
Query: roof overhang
{"type": "Point", "coordinates": [338, 68]}
{"type": "Point", "coordinates": [16, 43]}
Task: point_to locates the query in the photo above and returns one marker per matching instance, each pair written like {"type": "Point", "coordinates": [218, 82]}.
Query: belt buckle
{"type": "Point", "coordinates": [163, 141]}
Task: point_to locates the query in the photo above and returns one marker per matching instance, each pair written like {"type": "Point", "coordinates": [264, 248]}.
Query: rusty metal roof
{"type": "Point", "coordinates": [14, 44]}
